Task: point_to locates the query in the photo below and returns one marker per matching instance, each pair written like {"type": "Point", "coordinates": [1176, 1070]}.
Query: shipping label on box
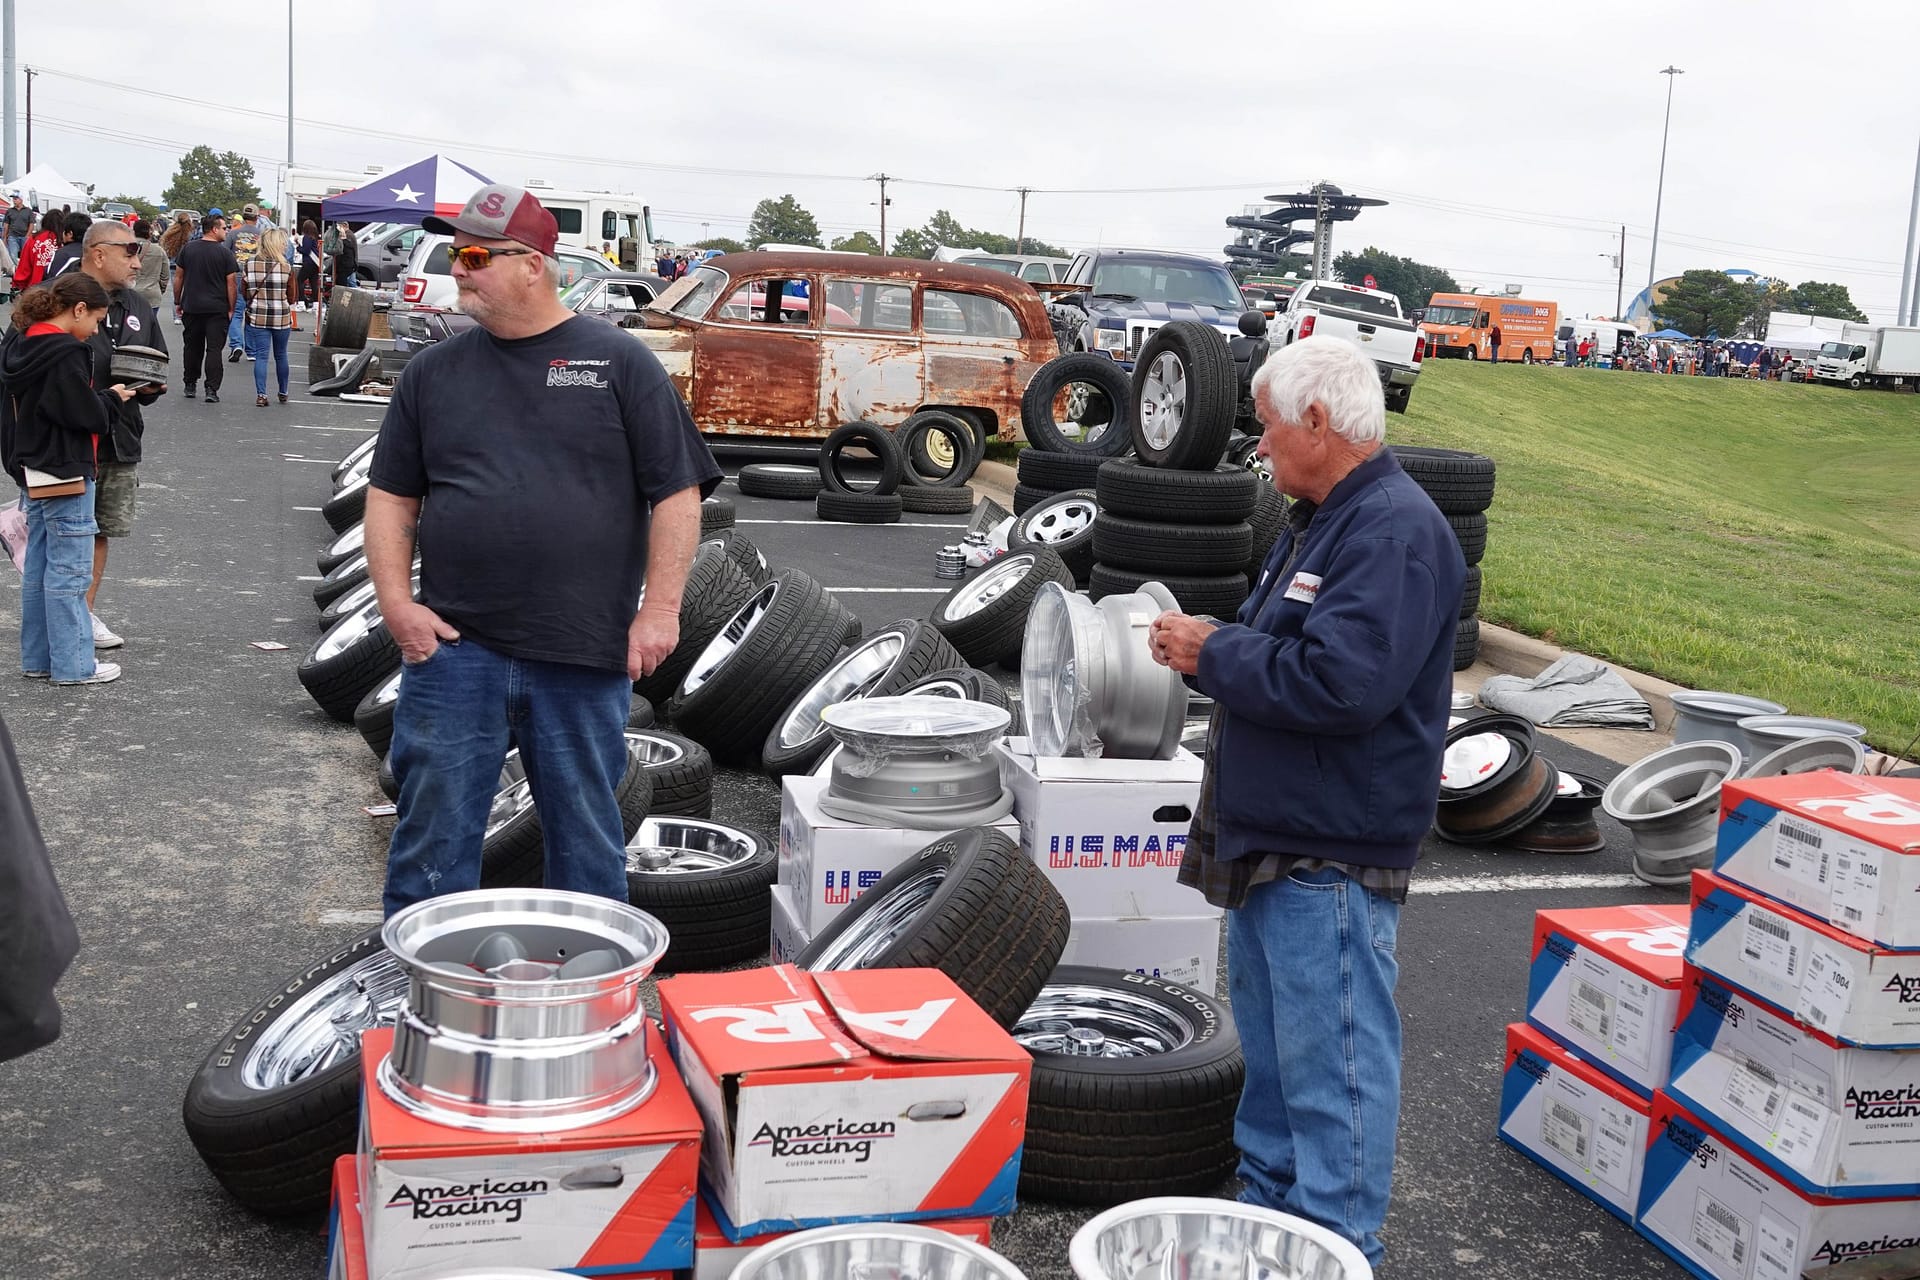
{"type": "Point", "coordinates": [1834, 982]}
{"type": "Point", "coordinates": [1181, 949]}
{"type": "Point", "coordinates": [847, 1097]}
{"type": "Point", "coordinates": [715, 1256]}
{"type": "Point", "coordinates": [1578, 1122]}
{"type": "Point", "coordinates": [1721, 1215]}
{"type": "Point", "coordinates": [615, 1196]}
{"type": "Point", "coordinates": [1605, 981]}
{"type": "Point", "coordinates": [1110, 834]}
{"type": "Point", "coordinates": [1829, 1118]}
{"type": "Point", "coordinates": [788, 939]}
{"type": "Point", "coordinates": [826, 863]}
{"type": "Point", "coordinates": [1841, 848]}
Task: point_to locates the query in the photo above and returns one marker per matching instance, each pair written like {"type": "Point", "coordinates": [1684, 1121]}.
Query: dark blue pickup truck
{"type": "Point", "coordinates": [1123, 295]}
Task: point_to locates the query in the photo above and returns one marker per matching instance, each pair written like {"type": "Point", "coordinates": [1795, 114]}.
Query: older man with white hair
{"type": "Point", "coordinates": [1323, 766]}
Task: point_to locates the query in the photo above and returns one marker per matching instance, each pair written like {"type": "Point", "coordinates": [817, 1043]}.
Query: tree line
{"type": "Point", "coordinates": [785, 221]}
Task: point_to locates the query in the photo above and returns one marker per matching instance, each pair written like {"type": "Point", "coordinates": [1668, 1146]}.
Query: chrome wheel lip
{"type": "Point", "coordinates": [348, 631]}
{"type": "Point", "coordinates": [349, 541]}
{"type": "Point", "coordinates": [389, 689]}
{"type": "Point", "coordinates": [1160, 1236]}
{"type": "Point", "coordinates": [857, 672]}
{"type": "Point", "coordinates": [322, 1027]}
{"type": "Point", "coordinates": [1163, 399]}
{"type": "Point", "coordinates": [1071, 516]}
{"type": "Point", "coordinates": [654, 749]}
{"type": "Point", "coordinates": [1001, 577]}
{"type": "Point", "coordinates": [876, 1249]}
{"type": "Point", "coordinates": [875, 929]}
{"type": "Point", "coordinates": [734, 633]}
{"type": "Point", "coordinates": [354, 477]}
{"type": "Point", "coordinates": [679, 846]}
{"type": "Point", "coordinates": [1126, 1025]}
{"type": "Point", "coordinates": [357, 563]}
{"type": "Point", "coordinates": [512, 797]}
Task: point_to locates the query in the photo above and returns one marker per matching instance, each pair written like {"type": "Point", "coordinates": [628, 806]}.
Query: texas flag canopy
{"type": "Point", "coordinates": [435, 185]}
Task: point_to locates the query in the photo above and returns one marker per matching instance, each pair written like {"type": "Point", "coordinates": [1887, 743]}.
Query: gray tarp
{"type": "Point", "coordinates": [1576, 691]}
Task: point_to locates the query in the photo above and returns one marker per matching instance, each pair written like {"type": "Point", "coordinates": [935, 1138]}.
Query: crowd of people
{"type": "Point", "coordinates": [1698, 357]}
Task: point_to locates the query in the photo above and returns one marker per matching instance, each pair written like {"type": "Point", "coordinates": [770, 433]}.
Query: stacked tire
{"type": "Point", "coordinates": [941, 450]}
{"type": "Point", "coordinates": [848, 499]}
{"type": "Point", "coordinates": [1074, 413]}
{"type": "Point", "coordinates": [1461, 485]}
{"type": "Point", "coordinates": [1175, 513]}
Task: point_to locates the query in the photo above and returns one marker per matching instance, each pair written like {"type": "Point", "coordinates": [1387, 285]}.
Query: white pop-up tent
{"type": "Point", "coordinates": [44, 188]}
{"type": "Point", "coordinates": [1802, 334]}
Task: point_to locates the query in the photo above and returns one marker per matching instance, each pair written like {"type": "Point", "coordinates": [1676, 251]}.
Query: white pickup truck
{"type": "Point", "coordinates": [1368, 318]}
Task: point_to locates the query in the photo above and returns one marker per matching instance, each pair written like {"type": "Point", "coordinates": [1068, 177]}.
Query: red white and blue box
{"type": "Point", "coordinates": [1605, 982]}
{"type": "Point", "coordinates": [1583, 1126]}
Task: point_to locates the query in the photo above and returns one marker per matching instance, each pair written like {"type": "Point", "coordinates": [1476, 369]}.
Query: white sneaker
{"type": "Point", "coordinates": [103, 638]}
{"type": "Point", "coordinates": [103, 673]}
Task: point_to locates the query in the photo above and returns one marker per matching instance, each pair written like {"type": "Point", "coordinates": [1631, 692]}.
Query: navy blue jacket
{"type": "Point", "coordinates": [1335, 683]}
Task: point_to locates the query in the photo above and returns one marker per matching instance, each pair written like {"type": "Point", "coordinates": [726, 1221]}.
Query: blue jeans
{"type": "Point", "coordinates": [259, 342]}
{"type": "Point", "coordinates": [1311, 971]}
{"type": "Point", "coordinates": [15, 244]}
{"type": "Point", "coordinates": [458, 713]}
{"type": "Point", "coordinates": [56, 635]}
{"type": "Point", "coordinates": [237, 323]}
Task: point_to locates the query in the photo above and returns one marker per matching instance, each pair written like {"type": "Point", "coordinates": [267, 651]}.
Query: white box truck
{"type": "Point", "coordinates": [1871, 356]}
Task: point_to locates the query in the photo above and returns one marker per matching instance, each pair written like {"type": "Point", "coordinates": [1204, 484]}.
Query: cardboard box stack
{"type": "Point", "coordinates": [1777, 1082]}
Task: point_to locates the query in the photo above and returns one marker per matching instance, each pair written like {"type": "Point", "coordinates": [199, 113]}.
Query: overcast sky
{"type": "Point", "coordinates": [1511, 140]}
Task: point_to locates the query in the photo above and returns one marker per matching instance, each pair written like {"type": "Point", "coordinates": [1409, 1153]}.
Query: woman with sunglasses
{"type": "Point", "coordinates": [266, 283]}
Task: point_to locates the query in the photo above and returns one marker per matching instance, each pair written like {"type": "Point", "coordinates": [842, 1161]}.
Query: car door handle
{"type": "Point", "coordinates": [1006, 359]}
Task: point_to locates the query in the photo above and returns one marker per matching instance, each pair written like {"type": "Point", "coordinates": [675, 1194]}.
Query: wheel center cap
{"type": "Point", "coordinates": [1085, 1041]}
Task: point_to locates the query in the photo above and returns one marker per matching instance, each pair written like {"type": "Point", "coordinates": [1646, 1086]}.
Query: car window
{"type": "Point", "coordinates": [749, 302]}
{"type": "Point", "coordinates": [967, 314]}
{"type": "Point", "coordinates": [569, 220]}
{"type": "Point", "coordinates": [882, 306]}
{"type": "Point", "coordinates": [693, 294]}
{"type": "Point", "coordinates": [1354, 300]}
{"type": "Point", "coordinates": [1037, 271]}
{"type": "Point", "coordinates": [404, 242]}
{"type": "Point", "coordinates": [624, 297]}
{"type": "Point", "coordinates": [609, 225]}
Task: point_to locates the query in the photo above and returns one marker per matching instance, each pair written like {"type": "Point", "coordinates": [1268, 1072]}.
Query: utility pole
{"type": "Point", "coordinates": [1019, 240]}
{"type": "Point", "coordinates": [883, 180]}
{"type": "Point", "coordinates": [1620, 285]}
{"type": "Point", "coordinates": [31, 73]}
{"type": "Point", "coordinates": [1904, 315]}
{"type": "Point", "coordinates": [1660, 191]}
{"type": "Point", "coordinates": [11, 164]}
{"type": "Point", "coordinates": [286, 215]}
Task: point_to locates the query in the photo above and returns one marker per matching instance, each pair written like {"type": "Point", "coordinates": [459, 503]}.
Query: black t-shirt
{"type": "Point", "coordinates": [206, 264]}
{"type": "Point", "coordinates": [538, 461]}
{"type": "Point", "coordinates": [18, 220]}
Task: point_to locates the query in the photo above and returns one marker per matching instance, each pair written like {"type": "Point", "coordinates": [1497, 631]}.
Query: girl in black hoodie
{"type": "Point", "coordinates": [50, 417]}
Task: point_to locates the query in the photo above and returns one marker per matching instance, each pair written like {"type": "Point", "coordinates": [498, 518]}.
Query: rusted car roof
{"type": "Point", "coordinates": [1016, 293]}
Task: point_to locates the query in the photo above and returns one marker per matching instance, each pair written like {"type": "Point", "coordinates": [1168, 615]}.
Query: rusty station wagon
{"type": "Point", "coordinates": [798, 344]}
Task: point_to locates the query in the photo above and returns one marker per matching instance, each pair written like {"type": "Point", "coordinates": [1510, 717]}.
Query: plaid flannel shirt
{"type": "Point", "coordinates": [265, 281]}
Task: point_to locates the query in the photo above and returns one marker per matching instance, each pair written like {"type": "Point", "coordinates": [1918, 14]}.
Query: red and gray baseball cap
{"type": "Point", "coordinates": [498, 211]}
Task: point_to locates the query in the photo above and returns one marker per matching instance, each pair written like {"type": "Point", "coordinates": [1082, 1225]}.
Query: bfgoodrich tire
{"type": "Point", "coordinates": [1098, 403]}
{"type": "Point", "coordinates": [679, 771]}
{"type": "Point", "coordinates": [980, 911]}
{"type": "Point", "coordinates": [1152, 1112]}
{"type": "Point", "coordinates": [346, 508]}
{"type": "Point", "coordinates": [709, 883]}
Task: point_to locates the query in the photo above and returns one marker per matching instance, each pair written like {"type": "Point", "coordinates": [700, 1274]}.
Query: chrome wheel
{"type": "Point", "coordinates": [653, 750]}
{"type": "Point", "coordinates": [323, 1027]}
{"type": "Point", "coordinates": [1006, 574]}
{"type": "Point", "coordinates": [854, 676]}
{"type": "Point", "coordinates": [1098, 1022]}
{"type": "Point", "coordinates": [513, 797]}
{"type": "Point", "coordinates": [868, 935]}
{"type": "Point", "coordinates": [1163, 400]}
{"type": "Point", "coordinates": [347, 632]}
{"type": "Point", "coordinates": [389, 690]}
{"type": "Point", "coordinates": [349, 542]}
{"type": "Point", "coordinates": [676, 846]}
{"type": "Point", "coordinates": [731, 637]}
{"type": "Point", "coordinates": [1061, 520]}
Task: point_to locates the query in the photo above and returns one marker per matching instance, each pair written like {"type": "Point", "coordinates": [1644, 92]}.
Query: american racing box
{"type": "Point", "coordinates": [1182, 949]}
{"type": "Point", "coordinates": [715, 1256]}
{"type": "Point", "coordinates": [847, 1096]}
{"type": "Point", "coordinates": [611, 1197]}
{"type": "Point", "coordinates": [1605, 981]}
{"type": "Point", "coordinates": [1585, 1127]}
{"type": "Point", "coordinates": [1845, 849]}
{"type": "Point", "coordinates": [826, 863]}
{"type": "Point", "coordinates": [1720, 1215]}
{"type": "Point", "coordinates": [1110, 834]}
{"type": "Point", "coordinates": [1832, 981]}
{"type": "Point", "coordinates": [1828, 1118]}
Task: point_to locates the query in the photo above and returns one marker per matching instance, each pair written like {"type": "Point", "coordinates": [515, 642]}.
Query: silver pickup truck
{"type": "Point", "coordinates": [1368, 318]}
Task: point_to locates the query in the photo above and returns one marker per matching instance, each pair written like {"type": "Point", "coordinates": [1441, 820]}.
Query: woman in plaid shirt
{"type": "Point", "coordinates": [265, 282]}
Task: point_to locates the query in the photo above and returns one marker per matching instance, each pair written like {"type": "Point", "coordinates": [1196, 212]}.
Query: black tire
{"type": "Point", "coordinates": [640, 713]}
{"type": "Point", "coordinates": [514, 854]}
{"type": "Point", "coordinates": [1269, 518]}
{"type": "Point", "coordinates": [963, 443]}
{"type": "Point", "coordinates": [680, 771]}
{"type": "Point", "coordinates": [779, 480]}
{"type": "Point", "coordinates": [970, 683]}
{"type": "Point", "coordinates": [358, 594]}
{"type": "Point", "coordinates": [1057, 471]}
{"type": "Point", "coordinates": [352, 456]}
{"type": "Point", "coordinates": [1459, 483]}
{"type": "Point", "coordinates": [1103, 419]}
{"type": "Point", "coordinates": [1185, 549]}
{"type": "Point", "coordinates": [345, 546]}
{"type": "Point", "coordinates": [321, 362]}
{"type": "Point", "coordinates": [715, 917]}
{"type": "Point", "coordinates": [852, 633]}
{"type": "Point", "coordinates": [348, 316]}
{"type": "Point", "coordinates": [1026, 497]}
{"type": "Point", "coordinates": [936, 502]}
{"type": "Point", "coordinates": [389, 785]}
{"type": "Point", "coordinates": [1470, 592]}
{"type": "Point", "coordinates": [877, 441]}
{"type": "Point", "coordinates": [1224, 495]}
{"type": "Point", "coordinates": [1212, 394]}
{"type": "Point", "coordinates": [796, 638]}
{"type": "Point", "coordinates": [1240, 449]}
{"type": "Point", "coordinates": [998, 627]}
{"type": "Point", "coordinates": [1219, 595]}
{"type": "Point", "coordinates": [715, 514]}
{"type": "Point", "coordinates": [995, 924]}
{"type": "Point", "coordinates": [1063, 524]}
{"type": "Point", "coordinates": [374, 718]}
{"type": "Point", "coordinates": [1101, 1131]}
{"type": "Point", "coordinates": [715, 588]}
{"type": "Point", "coordinates": [740, 549]}
{"type": "Point", "coordinates": [339, 680]}
{"type": "Point", "coordinates": [922, 650]}
{"type": "Point", "coordinates": [346, 575]}
{"type": "Point", "coordinates": [273, 1149]}
{"type": "Point", "coordinates": [1466, 643]}
{"type": "Point", "coordinates": [1470, 530]}
{"type": "Point", "coordinates": [858, 508]}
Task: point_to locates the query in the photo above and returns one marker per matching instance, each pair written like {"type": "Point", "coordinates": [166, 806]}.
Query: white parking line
{"type": "Point", "coordinates": [294, 457]}
{"type": "Point", "coordinates": [897, 524]}
{"type": "Point", "coordinates": [893, 591]}
{"type": "Point", "coordinates": [306, 508]}
{"type": "Point", "coordinates": [301, 427]}
{"type": "Point", "coordinates": [309, 577]}
{"type": "Point", "coordinates": [1521, 883]}
{"type": "Point", "coordinates": [351, 917]}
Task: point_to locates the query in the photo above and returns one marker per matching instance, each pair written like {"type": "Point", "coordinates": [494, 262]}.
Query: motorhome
{"type": "Point", "coordinates": [1461, 325]}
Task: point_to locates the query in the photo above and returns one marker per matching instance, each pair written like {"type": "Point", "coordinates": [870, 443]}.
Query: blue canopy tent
{"type": "Point", "coordinates": [1674, 334]}
{"type": "Point", "coordinates": [435, 185]}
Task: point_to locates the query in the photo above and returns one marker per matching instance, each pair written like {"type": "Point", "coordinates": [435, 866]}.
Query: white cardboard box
{"type": "Point", "coordinates": [1832, 981]}
{"type": "Point", "coordinates": [1841, 848]}
{"type": "Point", "coordinates": [1181, 949]}
{"type": "Point", "coordinates": [788, 939]}
{"type": "Point", "coordinates": [1605, 982]}
{"type": "Point", "coordinates": [827, 862]}
{"type": "Point", "coordinates": [1110, 834]}
{"type": "Point", "coordinates": [1830, 1119]}
{"type": "Point", "coordinates": [1722, 1216]}
{"type": "Point", "coordinates": [1580, 1124]}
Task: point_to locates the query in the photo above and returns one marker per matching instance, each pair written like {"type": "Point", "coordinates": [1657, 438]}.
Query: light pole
{"type": "Point", "coordinates": [1660, 191]}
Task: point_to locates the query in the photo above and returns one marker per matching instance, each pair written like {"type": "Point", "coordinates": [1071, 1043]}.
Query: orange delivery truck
{"type": "Point", "coordinates": [1461, 325]}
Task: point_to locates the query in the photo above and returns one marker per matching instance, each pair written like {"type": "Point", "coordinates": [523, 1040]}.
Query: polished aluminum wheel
{"type": "Point", "coordinates": [675, 846]}
{"type": "Point", "coordinates": [853, 676]}
{"type": "Point", "coordinates": [349, 542]}
{"type": "Point", "coordinates": [1002, 576]}
{"type": "Point", "coordinates": [323, 1027]}
{"type": "Point", "coordinates": [512, 797]}
{"type": "Point", "coordinates": [389, 690]}
{"type": "Point", "coordinates": [731, 637]}
{"type": "Point", "coordinates": [874, 1251]}
{"type": "Point", "coordinates": [1163, 399]}
{"type": "Point", "coordinates": [1179, 1237]}
{"type": "Point", "coordinates": [347, 632]}
{"type": "Point", "coordinates": [1098, 1022]}
{"type": "Point", "coordinates": [1060, 520]}
{"type": "Point", "coordinates": [869, 934]}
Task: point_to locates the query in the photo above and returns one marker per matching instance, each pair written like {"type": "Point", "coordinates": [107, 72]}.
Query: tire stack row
{"type": "Point", "coordinates": [923, 468]}
{"type": "Point", "coordinates": [1461, 485]}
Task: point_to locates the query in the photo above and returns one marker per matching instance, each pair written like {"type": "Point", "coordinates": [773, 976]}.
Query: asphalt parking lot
{"type": "Point", "coordinates": [206, 822]}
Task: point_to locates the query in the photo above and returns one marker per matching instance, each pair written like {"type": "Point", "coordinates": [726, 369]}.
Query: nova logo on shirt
{"type": "Point", "coordinates": [577, 373]}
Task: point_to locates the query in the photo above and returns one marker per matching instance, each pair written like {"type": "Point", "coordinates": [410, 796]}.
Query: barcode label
{"type": "Point", "coordinates": [1778, 928]}
{"type": "Point", "coordinates": [1793, 829]}
{"type": "Point", "coordinates": [1590, 1010]}
{"type": "Point", "coordinates": [1566, 1131]}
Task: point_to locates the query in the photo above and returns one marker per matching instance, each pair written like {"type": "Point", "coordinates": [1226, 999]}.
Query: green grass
{"type": "Point", "coordinates": [1757, 538]}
